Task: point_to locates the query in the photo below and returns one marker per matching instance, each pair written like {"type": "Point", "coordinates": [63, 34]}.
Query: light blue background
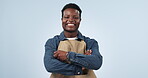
{"type": "Point", "coordinates": [120, 27]}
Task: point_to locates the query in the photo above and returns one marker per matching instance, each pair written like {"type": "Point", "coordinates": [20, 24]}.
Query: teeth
{"type": "Point", "coordinates": [70, 24]}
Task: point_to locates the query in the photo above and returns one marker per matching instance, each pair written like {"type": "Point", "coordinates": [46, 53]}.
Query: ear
{"type": "Point", "coordinates": [80, 19]}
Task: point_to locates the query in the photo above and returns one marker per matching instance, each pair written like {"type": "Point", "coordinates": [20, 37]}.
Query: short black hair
{"type": "Point", "coordinates": [71, 5]}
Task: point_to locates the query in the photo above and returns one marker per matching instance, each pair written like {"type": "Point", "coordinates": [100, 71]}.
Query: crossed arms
{"type": "Point", "coordinates": [54, 60]}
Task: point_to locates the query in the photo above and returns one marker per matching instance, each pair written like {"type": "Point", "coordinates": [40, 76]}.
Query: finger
{"type": "Point", "coordinates": [90, 52]}
{"type": "Point", "coordinates": [56, 54]}
{"type": "Point", "coordinates": [87, 51]}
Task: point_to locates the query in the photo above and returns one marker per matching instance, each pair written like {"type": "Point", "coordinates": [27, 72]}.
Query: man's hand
{"type": "Point", "coordinates": [88, 52]}
{"type": "Point", "coordinates": [61, 55]}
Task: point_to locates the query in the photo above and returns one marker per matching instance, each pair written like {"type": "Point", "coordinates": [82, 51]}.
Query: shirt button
{"type": "Point", "coordinates": [78, 72]}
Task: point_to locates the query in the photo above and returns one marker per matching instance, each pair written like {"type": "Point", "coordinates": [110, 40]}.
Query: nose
{"type": "Point", "coordinates": [71, 20]}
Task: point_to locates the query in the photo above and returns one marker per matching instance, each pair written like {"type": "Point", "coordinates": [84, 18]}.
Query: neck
{"type": "Point", "coordinates": [70, 35]}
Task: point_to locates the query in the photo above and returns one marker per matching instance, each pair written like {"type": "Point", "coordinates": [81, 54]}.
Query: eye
{"type": "Point", "coordinates": [76, 17]}
{"type": "Point", "coordinates": [66, 17]}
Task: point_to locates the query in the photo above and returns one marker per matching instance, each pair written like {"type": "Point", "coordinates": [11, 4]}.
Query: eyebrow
{"type": "Point", "coordinates": [69, 15]}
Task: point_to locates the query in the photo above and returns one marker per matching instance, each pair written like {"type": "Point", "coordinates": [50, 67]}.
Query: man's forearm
{"type": "Point", "coordinates": [87, 61]}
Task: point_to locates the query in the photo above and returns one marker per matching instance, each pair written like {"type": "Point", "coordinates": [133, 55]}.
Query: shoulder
{"type": "Point", "coordinates": [90, 43]}
{"type": "Point", "coordinates": [88, 39]}
{"type": "Point", "coordinates": [52, 40]}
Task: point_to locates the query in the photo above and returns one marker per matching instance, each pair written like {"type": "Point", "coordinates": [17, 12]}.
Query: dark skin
{"type": "Point", "coordinates": [70, 22]}
{"type": "Point", "coordinates": [62, 55]}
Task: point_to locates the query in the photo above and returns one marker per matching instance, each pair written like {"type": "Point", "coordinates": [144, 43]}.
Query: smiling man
{"type": "Point", "coordinates": [70, 54]}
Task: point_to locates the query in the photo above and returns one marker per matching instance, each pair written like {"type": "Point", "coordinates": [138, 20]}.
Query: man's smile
{"type": "Point", "coordinates": [70, 25]}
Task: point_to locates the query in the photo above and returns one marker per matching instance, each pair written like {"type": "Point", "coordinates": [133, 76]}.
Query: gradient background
{"type": "Point", "coordinates": [120, 27]}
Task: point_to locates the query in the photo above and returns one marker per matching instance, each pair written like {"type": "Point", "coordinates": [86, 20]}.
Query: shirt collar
{"type": "Point", "coordinates": [62, 36]}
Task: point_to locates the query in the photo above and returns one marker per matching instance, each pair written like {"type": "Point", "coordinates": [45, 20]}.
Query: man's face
{"type": "Point", "coordinates": [71, 20]}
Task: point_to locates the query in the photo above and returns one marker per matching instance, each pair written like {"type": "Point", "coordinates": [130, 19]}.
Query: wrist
{"type": "Point", "coordinates": [67, 54]}
{"type": "Point", "coordinates": [67, 60]}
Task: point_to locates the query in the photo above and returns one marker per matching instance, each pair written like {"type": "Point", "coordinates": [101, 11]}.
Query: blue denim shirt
{"type": "Point", "coordinates": [93, 61]}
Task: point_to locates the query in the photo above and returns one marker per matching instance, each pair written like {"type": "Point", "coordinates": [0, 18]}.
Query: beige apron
{"type": "Point", "coordinates": [74, 46]}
